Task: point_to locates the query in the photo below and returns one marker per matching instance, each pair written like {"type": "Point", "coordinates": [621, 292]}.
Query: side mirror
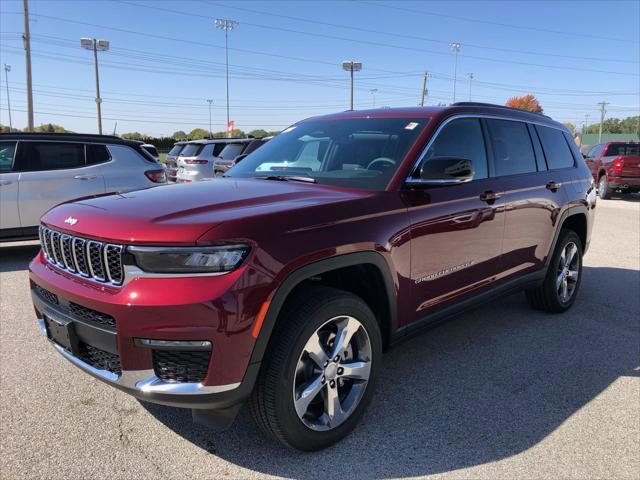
{"type": "Point", "coordinates": [445, 171]}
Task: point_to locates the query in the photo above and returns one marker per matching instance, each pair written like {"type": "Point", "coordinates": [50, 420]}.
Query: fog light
{"type": "Point", "coordinates": [173, 344]}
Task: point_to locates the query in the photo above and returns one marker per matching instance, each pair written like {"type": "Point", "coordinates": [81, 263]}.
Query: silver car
{"type": "Point", "coordinates": [196, 159]}
{"type": "Point", "coordinates": [39, 171]}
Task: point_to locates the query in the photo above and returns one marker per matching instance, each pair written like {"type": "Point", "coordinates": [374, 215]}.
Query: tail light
{"type": "Point", "coordinates": [157, 176]}
{"type": "Point", "coordinates": [618, 163]}
{"type": "Point", "coordinates": [196, 162]}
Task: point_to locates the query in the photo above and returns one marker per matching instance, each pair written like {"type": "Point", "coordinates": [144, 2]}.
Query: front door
{"type": "Point", "coordinates": [457, 230]}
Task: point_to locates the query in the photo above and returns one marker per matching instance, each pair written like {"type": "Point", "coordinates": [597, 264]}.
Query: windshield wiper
{"type": "Point", "coordinates": [287, 178]}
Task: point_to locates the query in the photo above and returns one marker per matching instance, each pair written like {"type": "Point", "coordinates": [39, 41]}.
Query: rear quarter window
{"type": "Point", "coordinates": [97, 154]}
{"type": "Point", "coordinates": [556, 149]}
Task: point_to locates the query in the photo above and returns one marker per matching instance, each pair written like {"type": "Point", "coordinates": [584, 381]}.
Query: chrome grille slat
{"type": "Point", "coordinates": [88, 258]}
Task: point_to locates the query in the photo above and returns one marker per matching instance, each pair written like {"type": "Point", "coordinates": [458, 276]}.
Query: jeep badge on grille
{"type": "Point", "coordinates": [71, 220]}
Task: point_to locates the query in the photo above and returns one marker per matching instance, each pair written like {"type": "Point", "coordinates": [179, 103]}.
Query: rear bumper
{"type": "Point", "coordinates": [624, 182]}
{"type": "Point", "coordinates": [194, 174]}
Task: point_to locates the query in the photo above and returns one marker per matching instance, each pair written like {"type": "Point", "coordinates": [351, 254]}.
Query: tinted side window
{"type": "Point", "coordinates": [512, 149]}
{"type": "Point", "coordinates": [97, 154]}
{"type": "Point", "coordinates": [36, 156]}
{"type": "Point", "coordinates": [462, 138]}
{"type": "Point", "coordinates": [555, 147]}
{"type": "Point", "coordinates": [7, 150]}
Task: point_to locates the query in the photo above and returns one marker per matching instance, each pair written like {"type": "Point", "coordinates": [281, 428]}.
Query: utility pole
{"type": "Point", "coordinates": [373, 92]}
{"type": "Point", "coordinates": [227, 26]}
{"type": "Point", "coordinates": [470, 75]}
{"type": "Point", "coordinates": [210, 100]}
{"type": "Point", "coordinates": [26, 39]}
{"type": "Point", "coordinates": [584, 127]}
{"type": "Point", "coordinates": [455, 47]}
{"type": "Point", "coordinates": [7, 69]}
{"type": "Point", "coordinates": [603, 111]}
{"type": "Point", "coordinates": [425, 76]}
{"type": "Point", "coordinates": [351, 66]}
{"type": "Point", "coordinates": [96, 45]}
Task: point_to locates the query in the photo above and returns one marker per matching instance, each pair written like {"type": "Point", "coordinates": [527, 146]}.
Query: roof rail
{"type": "Point", "coordinates": [482, 104]}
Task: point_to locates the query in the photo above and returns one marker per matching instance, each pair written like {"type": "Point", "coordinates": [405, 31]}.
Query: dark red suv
{"type": "Point", "coordinates": [615, 166]}
{"type": "Point", "coordinates": [282, 283]}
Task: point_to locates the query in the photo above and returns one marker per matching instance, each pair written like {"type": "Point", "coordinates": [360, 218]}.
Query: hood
{"type": "Point", "coordinates": [180, 214]}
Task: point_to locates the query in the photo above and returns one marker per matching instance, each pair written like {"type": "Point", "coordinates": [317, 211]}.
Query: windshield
{"type": "Point", "coordinates": [175, 150]}
{"type": "Point", "coordinates": [191, 150]}
{"type": "Point", "coordinates": [358, 153]}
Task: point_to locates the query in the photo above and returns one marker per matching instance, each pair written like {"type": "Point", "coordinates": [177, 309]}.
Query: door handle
{"type": "Point", "coordinates": [5, 182]}
{"type": "Point", "coordinates": [489, 196]}
{"type": "Point", "coordinates": [85, 177]}
{"type": "Point", "coordinates": [553, 186]}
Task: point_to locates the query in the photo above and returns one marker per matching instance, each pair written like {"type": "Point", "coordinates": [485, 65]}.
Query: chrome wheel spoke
{"type": "Point", "coordinates": [570, 253]}
{"type": "Point", "coordinates": [356, 370]}
{"type": "Point", "coordinates": [316, 351]}
{"type": "Point", "coordinates": [333, 407]}
{"type": "Point", "coordinates": [346, 329]}
{"type": "Point", "coordinates": [559, 280]}
{"type": "Point", "coordinates": [306, 394]}
{"type": "Point", "coordinates": [564, 293]}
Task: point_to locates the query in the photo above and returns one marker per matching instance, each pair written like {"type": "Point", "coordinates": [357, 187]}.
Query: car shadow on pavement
{"type": "Point", "coordinates": [17, 257]}
{"type": "Point", "coordinates": [483, 387]}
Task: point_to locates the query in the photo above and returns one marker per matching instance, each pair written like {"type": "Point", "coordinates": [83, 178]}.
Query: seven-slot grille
{"type": "Point", "coordinates": [88, 258]}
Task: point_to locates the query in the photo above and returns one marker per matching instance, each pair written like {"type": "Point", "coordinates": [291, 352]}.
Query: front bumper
{"type": "Point", "coordinates": [229, 378]}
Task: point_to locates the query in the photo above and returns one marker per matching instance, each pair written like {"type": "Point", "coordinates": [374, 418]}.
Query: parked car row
{"type": "Point", "coordinates": [39, 171]}
{"type": "Point", "coordinates": [200, 159]}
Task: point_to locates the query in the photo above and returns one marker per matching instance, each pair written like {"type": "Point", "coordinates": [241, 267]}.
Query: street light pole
{"type": "Point", "coordinates": [95, 45]}
{"type": "Point", "coordinates": [7, 69]}
{"type": "Point", "coordinates": [351, 66]}
{"type": "Point", "coordinates": [455, 47]}
{"type": "Point", "coordinates": [373, 92]}
{"type": "Point", "coordinates": [470, 75]}
{"type": "Point", "coordinates": [227, 26]}
{"type": "Point", "coordinates": [210, 100]}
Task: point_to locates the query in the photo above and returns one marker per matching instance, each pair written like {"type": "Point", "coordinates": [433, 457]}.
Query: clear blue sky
{"type": "Point", "coordinates": [166, 59]}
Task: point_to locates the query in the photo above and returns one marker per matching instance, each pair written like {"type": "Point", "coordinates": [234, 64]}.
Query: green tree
{"type": "Point", "coordinates": [616, 125]}
{"type": "Point", "coordinates": [133, 136]}
{"type": "Point", "coordinates": [571, 127]}
{"type": "Point", "coordinates": [6, 129]}
{"type": "Point", "coordinates": [198, 133]}
{"type": "Point", "coordinates": [50, 128]}
{"type": "Point", "coordinates": [258, 133]}
{"type": "Point", "coordinates": [179, 135]}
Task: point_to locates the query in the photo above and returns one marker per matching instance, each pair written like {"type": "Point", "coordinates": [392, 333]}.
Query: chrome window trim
{"type": "Point", "coordinates": [416, 181]}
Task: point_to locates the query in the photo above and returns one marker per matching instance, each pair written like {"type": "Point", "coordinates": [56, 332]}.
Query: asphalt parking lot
{"type": "Point", "coordinates": [500, 392]}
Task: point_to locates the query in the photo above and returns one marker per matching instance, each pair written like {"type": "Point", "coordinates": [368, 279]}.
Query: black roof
{"type": "Point", "coordinates": [69, 137]}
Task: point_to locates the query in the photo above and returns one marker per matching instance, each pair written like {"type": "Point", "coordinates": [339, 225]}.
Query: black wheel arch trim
{"type": "Point", "coordinates": [317, 268]}
{"type": "Point", "coordinates": [569, 212]}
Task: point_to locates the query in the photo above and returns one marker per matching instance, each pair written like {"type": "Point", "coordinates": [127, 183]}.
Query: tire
{"type": "Point", "coordinates": [289, 369]}
{"type": "Point", "coordinates": [549, 296]}
{"type": "Point", "coordinates": [603, 188]}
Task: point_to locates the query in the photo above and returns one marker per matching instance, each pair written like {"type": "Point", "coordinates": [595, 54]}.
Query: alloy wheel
{"type": "Point", "coordinates": [332, 373]}
{"type": "Point", "coordinates": [568, 271]}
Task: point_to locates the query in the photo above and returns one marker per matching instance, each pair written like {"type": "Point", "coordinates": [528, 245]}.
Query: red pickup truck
{"type": "Point", "coordinates": [615, 166]}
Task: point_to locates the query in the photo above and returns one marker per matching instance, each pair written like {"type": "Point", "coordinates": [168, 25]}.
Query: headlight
{"type": "Point", "coordinates": [219, 259]}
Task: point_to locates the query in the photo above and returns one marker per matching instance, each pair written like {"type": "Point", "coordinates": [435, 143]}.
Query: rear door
{"type": "Point", "coordinates": [9, 217]}
{"type": "Point", "coordinates": [533, 194]}
{"type": "Point", "coordinates": [53, 173]}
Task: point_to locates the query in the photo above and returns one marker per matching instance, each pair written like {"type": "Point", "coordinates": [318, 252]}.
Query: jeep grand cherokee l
{"type": "Point", "coordinates": [281, 284]}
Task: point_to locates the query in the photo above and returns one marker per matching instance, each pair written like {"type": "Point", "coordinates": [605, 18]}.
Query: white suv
{"type": "Point", "coordinates": [39, 171]}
